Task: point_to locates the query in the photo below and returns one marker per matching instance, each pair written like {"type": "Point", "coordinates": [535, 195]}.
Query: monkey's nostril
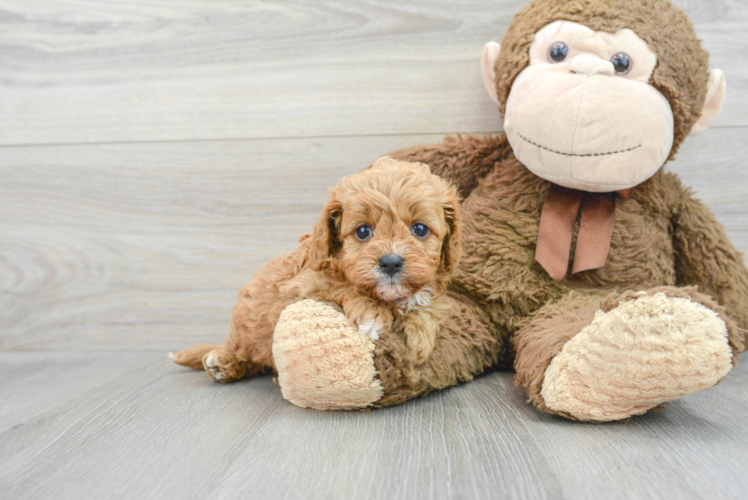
{"type": "Point", "coordinates": [391, 264]}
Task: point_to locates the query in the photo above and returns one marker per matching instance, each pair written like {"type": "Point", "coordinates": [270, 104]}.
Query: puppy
{"type": "Point", "coordinates": [382, 250]}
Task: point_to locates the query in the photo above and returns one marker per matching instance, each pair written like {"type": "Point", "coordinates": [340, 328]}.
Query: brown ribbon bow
{"type": "Point", "coordinates": [557, 226]}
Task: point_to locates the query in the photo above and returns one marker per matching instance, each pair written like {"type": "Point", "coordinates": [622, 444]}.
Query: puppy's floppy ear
{"type": "Point", "coordinates": [452, 245]}
{"type": "Point", "coordinates": [325, 240]}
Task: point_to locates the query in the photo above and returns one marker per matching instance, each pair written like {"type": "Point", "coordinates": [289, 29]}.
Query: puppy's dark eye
{"type": "Point", "coordinates": [420, 230]}
{"type": "Point", "coordinates": [558, 52]}
{"type": "Point", "coordinates": [621, 63]}
{"type": "Point", "coordinates": [364, 232]}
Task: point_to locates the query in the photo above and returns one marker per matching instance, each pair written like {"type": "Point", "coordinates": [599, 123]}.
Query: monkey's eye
{"type": "Point", "coordinates": [420, 230]}
{"type": "Point", "coordinates": [364, 232]}
{"type": "Point", "coordinates": [621, 63]}
{"type": "Point", "coordinates": [558, 52]}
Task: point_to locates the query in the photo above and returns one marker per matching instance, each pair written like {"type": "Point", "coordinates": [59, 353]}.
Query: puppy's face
{"type": "Point", "coordinates": [393, 229]}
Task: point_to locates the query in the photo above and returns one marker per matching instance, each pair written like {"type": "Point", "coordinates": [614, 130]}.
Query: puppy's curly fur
{"type": "Point", "coordinates": [340, 263]}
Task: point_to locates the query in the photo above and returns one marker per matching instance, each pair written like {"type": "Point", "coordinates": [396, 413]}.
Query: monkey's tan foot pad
{"type": "Point", "coordinates": [222, 366]}
{"type": "Point", "coordinates": [643, 353]}
{"type": "Point", "coordinates": [322, 362]}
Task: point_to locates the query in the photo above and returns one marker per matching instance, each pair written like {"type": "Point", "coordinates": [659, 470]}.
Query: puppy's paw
{"type": "Point", "coordinates": [222, 366]}
{"type": "Point", "coordinates": [421, 345]}
{"type": "Point", "coordinates": [420, 330]}
{"type": "Point", "coordinates": [371, 328]}
{"type": "Point", "coordinates": [212, 365]}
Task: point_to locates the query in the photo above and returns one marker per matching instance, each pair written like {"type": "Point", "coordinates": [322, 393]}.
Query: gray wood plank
{"type": "Point", "coordinates": [154, 432]}
{"type": "Point", "coordinates": [115, 244]}
{"type": "Point", "coordinates": [144, 246]}
{"type": "Point", "coordinates": [136, 70]}
{"type": "Point", "coordinates": [161, 431]}
{"type": "Point", "coordinates": [33, 382]}
{"type": "Point", "coordinates": [692, 448]}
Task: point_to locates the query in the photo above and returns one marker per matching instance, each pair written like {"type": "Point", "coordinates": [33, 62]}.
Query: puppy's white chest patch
{"type": "Point", "coordinates": [415, 302]}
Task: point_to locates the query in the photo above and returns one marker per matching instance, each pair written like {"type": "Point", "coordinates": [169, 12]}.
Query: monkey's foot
{"type": "Point", "coordinates": [645, 351]}
{"type": "Point", "coordinates": [222, 366]}
{"type": "Point", "coordinates": [322, 362]}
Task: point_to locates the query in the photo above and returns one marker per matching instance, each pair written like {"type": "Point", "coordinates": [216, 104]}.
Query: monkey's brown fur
{"type": "Point", "coordinates": [504, 308]}
{"type": "Point", "coordinates": [501, 300]}
{"type": "Point", "coordinates": [333, 265]}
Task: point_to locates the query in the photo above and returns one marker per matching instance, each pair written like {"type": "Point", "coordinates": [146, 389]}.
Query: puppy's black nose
{"type": "Point", "coordinates": [391, 264]}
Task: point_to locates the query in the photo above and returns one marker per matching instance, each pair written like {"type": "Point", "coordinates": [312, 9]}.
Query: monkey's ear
{"type": "Point", "coordinates": [491, 53]}
{"type": "Point", "coordinates": [715, 98]}
{"type": "Point", "coordinates": [325, 240]}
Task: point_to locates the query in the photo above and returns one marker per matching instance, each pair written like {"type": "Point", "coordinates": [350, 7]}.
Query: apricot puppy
{"type": "Point", "coordinates": [382, 250]}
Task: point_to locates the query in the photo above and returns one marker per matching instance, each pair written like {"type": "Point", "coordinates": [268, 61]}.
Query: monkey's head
{"type": "Point", "coordinates": [598, 94]}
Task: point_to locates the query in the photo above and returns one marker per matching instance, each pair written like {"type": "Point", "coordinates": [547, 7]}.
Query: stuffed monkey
{"type": "Point", "coordinates": [586, 267]}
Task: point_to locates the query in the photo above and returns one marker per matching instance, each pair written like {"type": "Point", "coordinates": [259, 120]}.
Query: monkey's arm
{"type": "Point", "coordinates": [463, 160]}
{"type": "Point", "coordinates": [705, 257]}
{"type": "Point", "coordinates": [465, 346]}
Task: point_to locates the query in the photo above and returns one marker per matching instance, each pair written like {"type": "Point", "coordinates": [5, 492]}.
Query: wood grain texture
{"type": "Point", "coordinates": [31, 383]}
{"type": "Point", "coordinates": [153, 154]}
{"type": "Point", "coordinates": [140, 70]}
{"type": "Point", "coordinates": [161, 431]}
{"type": "Point", "coordinates": [144, 246]}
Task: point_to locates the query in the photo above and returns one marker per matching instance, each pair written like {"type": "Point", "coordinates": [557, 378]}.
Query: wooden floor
{"type": "Point", "coordinates": [154, 153]}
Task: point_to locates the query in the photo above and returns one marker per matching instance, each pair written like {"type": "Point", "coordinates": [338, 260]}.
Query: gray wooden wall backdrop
{"type": "Point", "coordinates": [154, 153]}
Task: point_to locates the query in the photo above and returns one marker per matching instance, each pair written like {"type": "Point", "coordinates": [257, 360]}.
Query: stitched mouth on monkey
{"type": "Point", "coordinates": [580, 144]}
{"type": "Point", "coordinates": [574, 119]}
{"type": "Point", "coordinates": [580, 155]}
